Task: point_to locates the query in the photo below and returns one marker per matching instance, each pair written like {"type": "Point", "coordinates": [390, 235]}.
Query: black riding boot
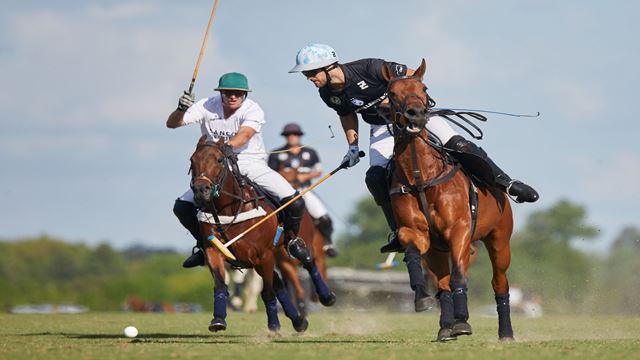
{"type": "Point", "coordinates": [187, 214]}
{"type": "Point", "coordinates": [295, 245]}
{"type": "Point", "coordinates": [325, 227]}
{"type": "Point", "coordinates": [517, 190]}
{"type": "Point", "coordinates": [377, 182]}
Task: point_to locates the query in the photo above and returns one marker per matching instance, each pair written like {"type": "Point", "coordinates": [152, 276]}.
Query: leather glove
{"type": "Point", "coordinates": [185, 101]}
{"type": "Point", "coordinates": [352, 156]}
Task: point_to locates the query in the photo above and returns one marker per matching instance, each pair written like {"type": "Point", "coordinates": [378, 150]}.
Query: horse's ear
{"type": "Point", "coordinates": [419, 73]}
{"type": "Point", "coordinates": [202, 140]}
{"type": "Point", "coordinates": [220, 142]}
{"type": "Point", "coordinates": [386, 73]}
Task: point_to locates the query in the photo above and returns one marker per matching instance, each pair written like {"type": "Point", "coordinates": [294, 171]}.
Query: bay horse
{"type": "Point", "coordinates": [218, 191]}
{"type": "Point", "coordinates": [431, 202]}
{"type": "Point", "coordinates": [288, 266]}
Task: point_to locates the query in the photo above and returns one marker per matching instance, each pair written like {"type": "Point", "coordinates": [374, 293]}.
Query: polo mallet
{"type": "Point", "coordinates": [388, 263]}
{"type": "Point", "coordinates": [204, 42]}
{"type": "Point", "coordinates": [224, 248]}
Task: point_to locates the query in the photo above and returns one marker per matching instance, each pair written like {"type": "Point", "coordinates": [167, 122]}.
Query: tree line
{"type": "Point", "coordinates": [544, 263]}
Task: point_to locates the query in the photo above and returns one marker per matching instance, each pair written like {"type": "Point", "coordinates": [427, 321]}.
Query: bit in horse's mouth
{"type": "Point", "coordinates": [411, 128]}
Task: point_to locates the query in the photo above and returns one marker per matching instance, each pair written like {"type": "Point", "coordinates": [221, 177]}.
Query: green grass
{"type": "Point", "coordinates": [331, 336]}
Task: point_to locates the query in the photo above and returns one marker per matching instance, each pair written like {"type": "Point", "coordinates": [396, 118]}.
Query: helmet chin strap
{"type": "Point", "coordinates": [326, 72]}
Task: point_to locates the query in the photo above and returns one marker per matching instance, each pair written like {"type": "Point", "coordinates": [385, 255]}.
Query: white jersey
{"type": "Point", "coordinates": [209, 113]}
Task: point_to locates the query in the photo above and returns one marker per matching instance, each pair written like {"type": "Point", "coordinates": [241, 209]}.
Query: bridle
{"type": "Point", "coordinates": [398, 108]}
{"type": "Point", "coordinates": [216, 182]}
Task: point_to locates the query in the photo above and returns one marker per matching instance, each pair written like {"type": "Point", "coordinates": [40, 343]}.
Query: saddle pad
{"type": "Point", "coordinates": [244, 216]}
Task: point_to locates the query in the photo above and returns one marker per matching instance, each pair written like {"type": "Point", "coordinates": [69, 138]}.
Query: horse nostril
{"type": "Point", "coordinates": [412, 112]}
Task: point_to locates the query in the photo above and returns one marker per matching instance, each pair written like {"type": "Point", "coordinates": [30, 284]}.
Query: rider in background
{"type": "Point", "coordinates": [238, 120]}
{"type": "Point", "coordinates": [305, 161]}
{"type": "Point", "coordinates": [359, 87]}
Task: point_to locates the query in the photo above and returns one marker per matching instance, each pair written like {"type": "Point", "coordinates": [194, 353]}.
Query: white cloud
{"type": "Point", "coordinates": [615, 179]}
{"type": "Point", "coordinates": [42, 146]}
{"type": "Point", "coordinates": [577, 100]}
{"type": "Point", "coordinates": [94, 65]}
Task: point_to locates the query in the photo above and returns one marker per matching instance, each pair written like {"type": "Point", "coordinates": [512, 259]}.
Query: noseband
{"type": "Point", "coordinates": [399, 108]}
{"type": "Point", "coordinates": [215, 182]}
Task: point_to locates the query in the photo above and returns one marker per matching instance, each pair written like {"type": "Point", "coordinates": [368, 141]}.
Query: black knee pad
{"type": "Point", "coordinates": [187, 214]}
{"type": "Point", "coordinates": [293, 213]}
{"type": "Point", "coordinates": [377, 183]}
{"type": "Point", "coordinates": [325, 226]}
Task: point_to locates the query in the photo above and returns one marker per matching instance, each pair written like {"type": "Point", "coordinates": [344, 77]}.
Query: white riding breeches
{"type": "Point", "coordinates": [260, 173]}
{"type": "Point", "coordinates": [381, 141]}
{"type": "Point", "coordinates": [314, 205]}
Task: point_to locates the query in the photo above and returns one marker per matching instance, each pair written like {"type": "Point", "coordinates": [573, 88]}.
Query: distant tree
{"type": "Point", "coordinates": [618, 288]}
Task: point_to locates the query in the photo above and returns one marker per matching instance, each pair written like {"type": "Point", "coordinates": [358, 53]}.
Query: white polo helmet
{"type": "Point", "coordinates": [313, 57]}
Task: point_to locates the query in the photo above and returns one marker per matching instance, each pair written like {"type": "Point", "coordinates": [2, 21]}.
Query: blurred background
{"type": "Point", "coordinates": [90, 172]}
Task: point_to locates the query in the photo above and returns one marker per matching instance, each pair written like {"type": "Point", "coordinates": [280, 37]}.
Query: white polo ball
{"type": "Point", "coordinates": [130, 331]}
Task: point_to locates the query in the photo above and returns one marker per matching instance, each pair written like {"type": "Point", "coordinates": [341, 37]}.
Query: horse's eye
{"type": "Point", "coordinates": [392, 95]}
{"type": "Point", "coordinates": [220, 160]}
{"type": "Point", "coordinates": [424, 88]}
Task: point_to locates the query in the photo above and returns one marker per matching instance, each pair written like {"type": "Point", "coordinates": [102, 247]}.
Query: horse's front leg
{"type": "Point", "coordinates": [265, 269]}
{"type": "Point", "coordinates": [412, 235]}
{"type": "Point", "coordinates": [215, 261]}
{"type": "Point", "coordinates": [290, 273]}
{"type": "Point", "coordinates": [459, 240]}
{"type": "Point", "coordinates": [438, 262]}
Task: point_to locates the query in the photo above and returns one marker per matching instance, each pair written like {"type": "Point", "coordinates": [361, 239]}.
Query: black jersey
{"type": "Point", "coordinates": [364, 89]}
{"type": "Point", "coordinates": [305, 161]}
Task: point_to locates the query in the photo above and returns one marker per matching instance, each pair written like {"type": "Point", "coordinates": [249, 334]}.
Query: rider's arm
{"type": "Point", "coordinates": [350, 127]}
{"type": "Point", "coordinates": [242, 137]}
{"type": "Point", "coordinates": [175, 120]}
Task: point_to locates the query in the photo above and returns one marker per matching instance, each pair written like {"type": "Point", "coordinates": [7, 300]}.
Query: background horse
{"type": "Point", "coordinates": [431, 201]}
{"type": "Point", "coordinates": [217, 191]}
{"type": "Point", "coordinates": [289, 265]}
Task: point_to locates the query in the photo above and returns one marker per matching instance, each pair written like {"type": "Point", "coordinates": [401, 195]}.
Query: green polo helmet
{"type": "Point", "coordinates": [233, 81]}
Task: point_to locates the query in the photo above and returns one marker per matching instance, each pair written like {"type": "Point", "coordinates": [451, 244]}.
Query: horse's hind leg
{"type": "Point", "coordinates": [265, 270]}
{"type": "Point", "coordinates": [413, 259]}
{"type": "Point", "coordinates": [299, 322]}
{"type": "Point", "coordinates": [290, 273]}
{"type": "Point", "coordinates": [500, 255]}
{"type": "Point", "coordinates": [327, 297]}
{"type": "Point", "coordinates": [220, 292]}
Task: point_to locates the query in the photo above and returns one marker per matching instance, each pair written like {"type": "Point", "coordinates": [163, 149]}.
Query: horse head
{"type": "Point", "coordinates": [208, 171]}
{"type": "Point", "coordinates": [408, 99]}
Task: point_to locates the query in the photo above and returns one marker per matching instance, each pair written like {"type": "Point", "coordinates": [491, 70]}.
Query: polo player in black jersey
{"type": "Point", "coordinates": [359, 87]}
{"type": "Point", "coordinates": [305, 161]}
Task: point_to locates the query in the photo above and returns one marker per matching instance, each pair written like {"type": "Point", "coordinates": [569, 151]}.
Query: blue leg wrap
{"type": "Point", "coordinates": [285, 300]}
{"type": "Point", "coordinates": [504, 316]}
{"type": "Point", "coordinates": [220, 303]}
{"type": "Point", "coordinates": [272, 314]}
{"type": "Point", "coordinates": [321, 287]}
{"type": "Point", "coordinates": [446, 309]}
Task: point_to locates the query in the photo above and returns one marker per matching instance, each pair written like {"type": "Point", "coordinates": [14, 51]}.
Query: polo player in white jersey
{"type": "Point", "coordinates": [238, 121]}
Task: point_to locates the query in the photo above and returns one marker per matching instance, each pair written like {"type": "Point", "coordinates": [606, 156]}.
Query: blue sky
{"type": "Point", "coordinates": [86, 90]}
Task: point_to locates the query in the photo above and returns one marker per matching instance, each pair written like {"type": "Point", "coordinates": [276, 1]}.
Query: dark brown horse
{"type": "Point", "coordinates": [431, 201]}
{"type": "Point", "coordinates": [217, 191]}
{"type": "Point", "coordinates": [288, 265]}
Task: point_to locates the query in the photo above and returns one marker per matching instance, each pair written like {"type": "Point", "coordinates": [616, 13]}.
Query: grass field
{"type": "Point", "coordinates": [331, 336]}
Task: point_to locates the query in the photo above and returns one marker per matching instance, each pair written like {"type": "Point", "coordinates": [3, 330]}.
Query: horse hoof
{"type": "Point", "coordinates": [274, 327]}
{"type": "Point", "coordinates": [444, 335]}
{"type": "Point", "coordinates": [507, 338]}
{"type": "Point", "coordinates": [301, 324]}
{"type": "Point", "coordinates": [425, 303]}
{"type": "Point", "coordinates": [217, 324]}
{"type": "Point", "coordinates": [328, 301]}
{"type": "Point", "coordinates": [461, 328]}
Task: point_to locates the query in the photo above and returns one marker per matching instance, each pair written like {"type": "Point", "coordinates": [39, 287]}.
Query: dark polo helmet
{"type": "Point", "coordinates": [292, 128]}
